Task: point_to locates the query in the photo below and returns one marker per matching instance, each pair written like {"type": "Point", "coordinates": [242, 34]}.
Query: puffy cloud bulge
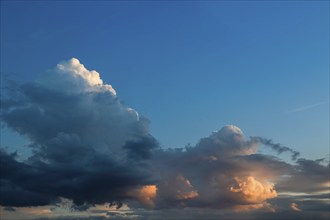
{"type": "Point", "coordinates": [219, 172]}
{"type": "Point", "coordinates": [83, 140]}
{"type": "Point", "coordinates": [90, 148]}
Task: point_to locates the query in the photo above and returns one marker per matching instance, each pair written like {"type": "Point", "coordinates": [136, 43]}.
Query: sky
{"type": "Point", "coordinates": [208, 108]}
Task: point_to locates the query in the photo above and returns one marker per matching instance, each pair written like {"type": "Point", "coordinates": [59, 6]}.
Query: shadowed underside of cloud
{"type": "Point", "coordinates": [91, 149]}
{"type": "Point", "coordinates": [87, 146]}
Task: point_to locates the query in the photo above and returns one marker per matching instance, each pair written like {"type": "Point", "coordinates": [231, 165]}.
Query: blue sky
{"type": "Point", "coordinates": [190, 67]}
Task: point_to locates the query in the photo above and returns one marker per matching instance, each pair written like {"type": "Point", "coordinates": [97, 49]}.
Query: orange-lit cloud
{"type": "Point", "coordinates": [177, 188]}
{"type": "Point", "coordinates": [295, 207]}
{"type": "Point", "coordinates": [146, 195]}
{"type": "Point", "coordinates": [184, 188]}
{"type": "Point", "coordinates": [253, 191]}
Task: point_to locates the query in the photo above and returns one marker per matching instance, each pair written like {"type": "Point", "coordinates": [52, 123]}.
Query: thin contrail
{"type": "Point", "coordinates": [303, 108]}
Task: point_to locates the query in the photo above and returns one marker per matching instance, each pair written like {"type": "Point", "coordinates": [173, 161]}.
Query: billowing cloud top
{"type": "Point", "coordinates": [87, 146]}
{"type": "Point", "coordinates": [71, 76]}
{"type": "Point", "coordinates": [91, 149]}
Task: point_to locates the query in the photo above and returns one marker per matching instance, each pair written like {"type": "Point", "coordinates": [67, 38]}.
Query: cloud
{"type": "Point", "coordinates": [303, 108]}
{"type": "Point", "coordinates": [90, 149]}
{"type": "Point", "coordinates": [306, 176]}
{"type": "Point", "coordinates": [253, 191]}
{"type": "Point", "coordinates": [72, 77]}
{"type": "Point", "coordinates": [276, 147]}
{"type": "Point", "coordinates": [294, 207]}
{"type": "Point", "coordinates": [10, 209]}
{"type": "Point", "coordinates": [145, 194]}
{"type": "Point", "coordinates": [86, 145]}
{"type": "Point", "coordinates": [219, 172]}
{"type": "Point", "coordinates": [224, 171]}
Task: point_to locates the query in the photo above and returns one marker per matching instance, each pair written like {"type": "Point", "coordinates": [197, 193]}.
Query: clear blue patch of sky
{"type": "Point", "coordinates": [190, 67]}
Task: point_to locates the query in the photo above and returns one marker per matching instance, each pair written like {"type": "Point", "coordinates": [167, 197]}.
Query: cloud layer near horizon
{"type": "Point", "coordinates": [90, 148]}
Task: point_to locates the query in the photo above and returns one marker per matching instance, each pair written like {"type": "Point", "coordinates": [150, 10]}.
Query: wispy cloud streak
{"type": "Point", "coordinates": [277, 147]}
{"type": "Point", "coordinates": [303, 108]}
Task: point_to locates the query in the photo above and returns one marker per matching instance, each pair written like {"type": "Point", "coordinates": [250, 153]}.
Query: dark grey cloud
{"type": "Point", "coordinates": [91, 149]}
{"type": "Point", "coordinates": [141, 149]}
{"type": "Point", "coordinates": [307, 176]}
{"type": "Point", "coordinates": [276, 147]}
{"type": "Point", "coordinates": [85, 142]}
